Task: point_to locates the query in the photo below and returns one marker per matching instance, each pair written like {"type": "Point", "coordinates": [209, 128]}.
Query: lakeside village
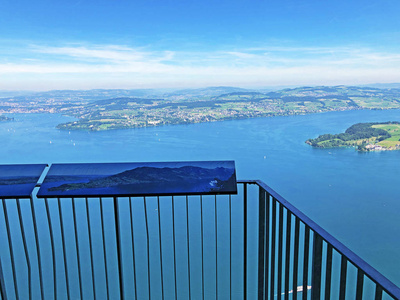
{"type": "Point", "coordinates": [375, 147]}
{"type": "Point", "coordinates": [364, 136]}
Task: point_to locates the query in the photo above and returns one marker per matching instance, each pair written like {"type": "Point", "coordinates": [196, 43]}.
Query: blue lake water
{"type": "Point", "coordinates": [354, 196]}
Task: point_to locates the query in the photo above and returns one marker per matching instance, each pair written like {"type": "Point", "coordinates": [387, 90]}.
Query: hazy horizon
{"type": "Point", "coordinates": [14, 93]}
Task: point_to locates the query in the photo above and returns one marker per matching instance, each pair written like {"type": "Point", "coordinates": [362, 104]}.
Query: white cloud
{"type": "Point", "coordinates": [97, 66]}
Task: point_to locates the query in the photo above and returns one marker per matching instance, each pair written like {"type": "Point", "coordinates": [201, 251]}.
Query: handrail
{"type": "Point", "coordinates": [369, 271]}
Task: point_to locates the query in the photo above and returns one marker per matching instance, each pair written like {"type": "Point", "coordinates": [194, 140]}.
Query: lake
{"type": "Point", "coordinates": [354, 196]}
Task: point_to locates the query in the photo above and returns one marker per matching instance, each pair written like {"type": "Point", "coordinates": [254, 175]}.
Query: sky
{"type": "Point", "coordinates": [87, 44]}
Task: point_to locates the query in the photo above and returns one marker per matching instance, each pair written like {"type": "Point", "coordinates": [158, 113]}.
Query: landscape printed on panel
{"type": "Point", "coordinates": [133, 179]}
{"type": "Point", "coordinates": [19, 180]}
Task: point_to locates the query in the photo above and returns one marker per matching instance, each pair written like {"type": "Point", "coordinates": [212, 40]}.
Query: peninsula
{"type": "Point", "coordinates": [363, 136]}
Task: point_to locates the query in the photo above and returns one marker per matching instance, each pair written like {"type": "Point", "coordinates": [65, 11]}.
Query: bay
{"type": "Point", "coordinates": [354, 196]}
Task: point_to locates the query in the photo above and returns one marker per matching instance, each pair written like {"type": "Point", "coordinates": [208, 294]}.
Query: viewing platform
{"type": "Point", "coordinates": [174, 230]}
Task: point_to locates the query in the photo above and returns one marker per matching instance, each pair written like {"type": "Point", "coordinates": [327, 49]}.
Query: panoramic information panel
{"type": "Point", "coordinates": [139, 179]}
{"type": "Point", "coordinates": [18, 181]}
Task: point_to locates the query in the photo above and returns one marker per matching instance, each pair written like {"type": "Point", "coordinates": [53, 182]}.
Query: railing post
{"type": "Point", "coordinates": [2, 284]}
{"type": "Point", "coordinates": [90, 247]}
{"type": "Point", "coordinates": [273, 250]}
{"type": "Point", "coordinates": [296, 256]}
{"type": "Point", "coordinates": [360, 284]}
{"type": "Point", "coordinates": [119, 250]}
{"type": "Point", "coordinates": [38, 253]}
{"type": "Point", "coordinates": [343, 276]}
{"type": "Point", "coordinates": [53, 250]}
{"type": "Point", "coordinates": [280, 251]}
{"type": "Point", "coordinates": [10, 247]}
{"type": "Point", "coordinates": [287, 257]}
{"type": "Point", "coordinates": [266, 255]}
{"type": "Point", "coordinates": [103, 237]}
{"type": "Point", "coordinates": [316, 267]}
{"type": "Point", "coordinates": [245, 242]}
{"type": "Point", "coordinates": [28, 260]}
{"type": "Point", "coordinates": [305, 261]}
{"type": "Point", "coordinates": [328, 272]}
{"type": "Point", "coordinates": [261, 242]}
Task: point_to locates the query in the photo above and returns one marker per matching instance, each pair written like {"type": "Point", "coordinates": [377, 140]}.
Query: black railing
{"type": "Point", "coordinates": [254, 245]}
{"type": "Point", "coordinates": [329, 269]}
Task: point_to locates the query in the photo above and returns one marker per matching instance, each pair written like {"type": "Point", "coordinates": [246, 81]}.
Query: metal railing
{"type": "Point", "coordinates": [332, 270]}
{"type": "Point", "coordinates": [254, 245]}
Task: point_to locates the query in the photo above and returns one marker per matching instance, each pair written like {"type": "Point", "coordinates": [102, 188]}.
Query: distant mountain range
{"type": "Point", "coordinates": [18, 180]}
{"type": "Point", "coordinates": [98, 94]}
{"type": "Point", "coordinates": [207, 92]}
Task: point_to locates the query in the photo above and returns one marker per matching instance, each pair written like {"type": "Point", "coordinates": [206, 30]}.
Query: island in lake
{"type": "Point", "coordinates": [363, 136]}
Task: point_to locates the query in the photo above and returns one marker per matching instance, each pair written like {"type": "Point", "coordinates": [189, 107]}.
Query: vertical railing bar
{"type": "Point", "coordinates": [119, 248]}
{"type": "Point", "coordinates": [133, 246]}
{"type": "Point", "coordinates": [53, 254]}
{"type": "Point", "coordinates": [360, 284]}
{"type": "Point", "coordinates": [202, 246]}
{"type": "Point", "coordinates": [328, 276]}
{"type": "Point", "coordinates": [10, 246]}
{"type": "Point", "coordinates": [3, 292]}
{"type": "Point", "coordinates": [273, 240]}
{"type": "Point", "coordinates": [316, 267]}
{"type": "Point", "coordinates": [305, 264]}
{"type": "Point", "coordinates": [148, 245]}
{"type": "Point", "coordinates": [230, 247]}
{"type": "Point", "coordinates": [280, 250]}
{"type": "Point", "coordinates": [39, 256]}
{"type": "Point", "coordinates": [174, 246]}
{"type": "Point", "coordinates": [378, 292]}
{"type": "Point", "coordinates": [104, 246]}
{"type": "Point", "coordinates": [90, 247]}
{"type": "Point", "coordinates": [160, 242]}
{"type": "Point", "coordinates": [261, 242]}
{"type": "Point", "coordinates": [28, 261]}
{"type": "Point", "coordinates": [188, 244]}
{"type": "Point", "coordinates": [343, 275]}
{"type": "Point", "coordinates": [296, 256]}
{"type": "Point", "coordinates": [78, 259]}
{"type": "Point", "coordinates": [245, 242]}
{"type": "Point", "coordinates": [60, 214]}
{"type": "Point", "coordinates": [216, 249]}
{"type": "Point", "coordinates": [287, 258]}
{"type": "Point", "coordinates": [267, 244]}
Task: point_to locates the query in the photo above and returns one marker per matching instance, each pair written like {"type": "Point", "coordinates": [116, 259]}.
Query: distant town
{"type": "Point", "coordinates": [96, 110]}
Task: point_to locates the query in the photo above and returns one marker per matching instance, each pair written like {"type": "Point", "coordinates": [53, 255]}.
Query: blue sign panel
{"type": "Point", "coordinates": [18, 181]}
{"type": "Point", "coordinates": [139, 179]}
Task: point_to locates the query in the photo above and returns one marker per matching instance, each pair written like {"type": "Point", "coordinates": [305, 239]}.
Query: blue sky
{"type": "Point", "coordinates": [86, 44]}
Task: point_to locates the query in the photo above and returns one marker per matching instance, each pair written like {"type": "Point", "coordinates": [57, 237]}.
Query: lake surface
{"type": "Point", "coordinates": [354, 196]}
